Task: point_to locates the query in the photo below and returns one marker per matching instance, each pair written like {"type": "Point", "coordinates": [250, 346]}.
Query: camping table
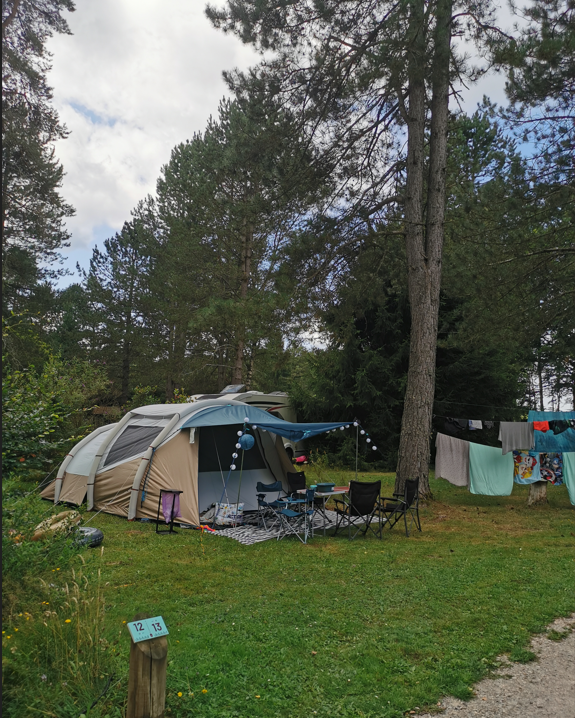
{"type": "Point", "coordinates": [338, 490]}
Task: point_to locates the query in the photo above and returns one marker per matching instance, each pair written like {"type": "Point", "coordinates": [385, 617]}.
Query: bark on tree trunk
{"type": "Point", "coordinates": [245, 260]}
{"type": "Point", "coordinates": [537, 493]}
{"type": "Point", "coordinates": [424, 245]}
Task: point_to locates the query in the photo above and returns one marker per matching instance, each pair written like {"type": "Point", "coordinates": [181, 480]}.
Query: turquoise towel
{"type": "Point", "coordinates": [569, 474]}
{"type": "Point", "coordinates": [490, 471]}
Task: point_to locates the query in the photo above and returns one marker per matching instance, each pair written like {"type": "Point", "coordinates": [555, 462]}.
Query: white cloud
{"type": "Point", "coordinates": [134, 79]}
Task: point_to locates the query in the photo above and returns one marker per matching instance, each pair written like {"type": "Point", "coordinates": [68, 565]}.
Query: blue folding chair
{"type": "Point", "coordinates": [269, 509]}
{"type": "Point", "coordinates": [299, 521]}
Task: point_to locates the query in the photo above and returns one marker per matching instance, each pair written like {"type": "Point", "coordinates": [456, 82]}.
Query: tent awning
{"type": "Point", "coordinates": [221, 415]}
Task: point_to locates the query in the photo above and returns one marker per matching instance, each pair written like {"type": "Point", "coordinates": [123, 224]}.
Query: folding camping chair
{"type": "Point", "coordinates": [399, 507]}
{"type": "Point", "coordinates": [360, 507]}
{"type": "Point", "coordinates": [299, 521]}
{"type": "Point", "coordinates": [269, 509]}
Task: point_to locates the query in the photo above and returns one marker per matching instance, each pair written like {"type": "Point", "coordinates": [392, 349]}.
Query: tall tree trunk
{"type": "Point", "coordinates": [246, 262]}
{"type": "Point", "coordinates": [424, 244]}
{"type": "Point", "coordinates": [540, 377]}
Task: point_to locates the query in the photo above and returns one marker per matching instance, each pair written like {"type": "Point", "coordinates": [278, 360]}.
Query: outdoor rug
{"type": "Point", "coordinates": [250, 534]}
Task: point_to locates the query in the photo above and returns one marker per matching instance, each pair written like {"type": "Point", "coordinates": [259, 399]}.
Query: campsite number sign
{"type": "Point", "coordinates": [147, 628]}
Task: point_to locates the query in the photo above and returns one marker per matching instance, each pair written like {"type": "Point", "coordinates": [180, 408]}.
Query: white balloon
{"type": "Point", "coordinates": [232, 467]}
{"type": "Point", "coordinates": [246, 419]}
{"type": "Point", "coordinates": [240, 433]}
{"type": "Point", "coordinates": [362, 431]}
{"type": "Point", "coordinates": [355, 423]}
{"type": "Point", "coordinates": [238, 446]}
{"type": "Point", "coordinates": [347, 426]}
{"type": "Point", "coordinates": [234, 455]}
{"type": "Point", "coordinates": [254, 426]}
{"type": "Point", "coordinates": [374, 448]}
{"type": "Point", "coordinates": [341, 428]}
{"type": "Point", "coordinates": [368, 441]}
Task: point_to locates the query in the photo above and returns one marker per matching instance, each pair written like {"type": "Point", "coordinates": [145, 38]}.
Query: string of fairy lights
{"type": "Point", "coordinates": [246, 440]}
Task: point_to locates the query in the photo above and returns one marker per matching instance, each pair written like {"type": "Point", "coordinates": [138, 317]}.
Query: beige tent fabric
{"type": "Point", "coordinates": [112, 488]}
{"type": "Point", "coordinates": [74, 488]}
{"type": "Point", "coordinates": [49, 491]}
{"type": "Point", "coordinates": [174, 466]}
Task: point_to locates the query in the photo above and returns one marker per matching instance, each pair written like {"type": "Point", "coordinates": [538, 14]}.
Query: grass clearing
{"type": "Point", "coordinates": [333, 628]}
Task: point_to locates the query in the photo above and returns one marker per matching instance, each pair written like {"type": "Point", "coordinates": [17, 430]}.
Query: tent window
{"type": "Point", "coordinates": [225, 439]}
{"type": "Point", "coordinates": [132, 441]}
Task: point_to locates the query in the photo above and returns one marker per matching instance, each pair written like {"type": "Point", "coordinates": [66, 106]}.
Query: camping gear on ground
{"type": "Point", "coordinates": [170, 502]}
{"type": "Point", "coordinates": [393, 509]}
{"type": "Point", "coordinates": [490, 471]}
{"type": "Point", "coordinates": [58, 524]}
{"type": "Point", "coordinates": [516, 435]}
{"type": "Point", "coordinates": [452, 460]}
{"type": "Point", "coordinates": [121, 468]}
{"type": "Point", "coordinates": [360, 507]}
{"type": "Point", "coordinates": [89, 536]}
{"type": "Point", "coordinates": [229, 514]}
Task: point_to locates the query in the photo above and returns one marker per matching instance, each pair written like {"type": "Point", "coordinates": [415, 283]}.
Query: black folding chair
{"type": "Point", "coordinates": [393, 509]}
{"type": "Point", "coordinates": [360, 507]}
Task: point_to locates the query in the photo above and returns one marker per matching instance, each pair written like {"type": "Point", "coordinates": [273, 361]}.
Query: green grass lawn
{"type": "Point", "coordinates": [332, 628]}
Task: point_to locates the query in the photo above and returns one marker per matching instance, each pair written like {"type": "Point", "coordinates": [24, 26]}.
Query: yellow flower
{"type": "Point", "coordinates": [68, 620]}
{"type": "Point", "coordinates": [8, 636]}
{"type": "Point", "coordinates": [123, 621]}
{"type": "Point", "coordinates": [15, 629]}
{"type": "Point", "coordinates": [180, 694]}
{"type": "Point", "coordinates": [57, 569]}
{"type": "Point", "coordinates": [257, 696]}
{"type": "Point", "coordinates": [203, 689]}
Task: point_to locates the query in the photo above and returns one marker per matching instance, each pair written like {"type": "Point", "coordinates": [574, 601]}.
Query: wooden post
{"type": "Point", "coordinates": [537, 493]}
{"type": "Point", "coordinates": [147, 678]}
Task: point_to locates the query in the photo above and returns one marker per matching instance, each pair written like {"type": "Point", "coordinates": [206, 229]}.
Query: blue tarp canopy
{"type": "Point", "coordinates": [222, 415]}
{"type": "Point", "coordinates": [547, 441]}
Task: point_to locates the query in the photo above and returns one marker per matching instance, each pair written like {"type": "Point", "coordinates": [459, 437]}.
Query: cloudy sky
{"type": "Point", "coordinates": [134, 79]}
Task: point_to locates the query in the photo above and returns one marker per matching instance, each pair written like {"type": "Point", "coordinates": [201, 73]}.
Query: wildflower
{"type": "Point", "coordinates": [203, 689]}
{"type": "Point", "coordinates": [8, 637]}
{"type": "Point", "coordinates": [57, 569]}
{"type": "Point", "coordinates": [15, 629]}
{"type": "Point", "coordinates": [21, 459]}
{"type": "Point", "coordinates": [68, 620]}
{"type": "Point", "coordinates": [44, 677]}
{"type": "Point", "coordinates": [257, 696]}
{"type": "Point", "coordinates": [180, 694]}
{"type": "Point", "coordinates": [123, 621]}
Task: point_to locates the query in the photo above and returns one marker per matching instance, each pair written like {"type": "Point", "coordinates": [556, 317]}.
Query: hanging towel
{"type": "Point", "coordinates": [490, 471]}
{"type": "Point", "coordinates": [526, 467]}
{"type": "Point", "coordinates": [475, 424]}
{"type": "Point", "coordinates": [558, 426]}
{"type": "Point", "coordinates": [541, 426]}
{"type": "Point", "coordinates": [452, 460]}
{"type": "Point", "coordinates": [516, 435]}
{"type": "Point", "coordinates": [569, 474]}
{"type": "Point", "coordinates": [551, 465]}
{"type": "Point", "coordinates": [548, 441]}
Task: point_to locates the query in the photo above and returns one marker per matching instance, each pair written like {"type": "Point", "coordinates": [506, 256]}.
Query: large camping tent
{"type": "Point", "coordinates": [120, 468]}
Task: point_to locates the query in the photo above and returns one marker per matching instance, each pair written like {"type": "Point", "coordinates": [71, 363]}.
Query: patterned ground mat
{"type": "Point", "coordinates": [252, 533]}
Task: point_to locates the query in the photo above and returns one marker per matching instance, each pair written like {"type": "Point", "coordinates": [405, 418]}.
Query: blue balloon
{"type": "Point", "coordinates": [247, 441]}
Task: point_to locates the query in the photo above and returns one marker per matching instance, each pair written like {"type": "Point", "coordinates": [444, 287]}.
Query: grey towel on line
{"type": "Point", "coordinates": [516, 435]}
{"type": "Point", "coordinates": [452, 460]}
